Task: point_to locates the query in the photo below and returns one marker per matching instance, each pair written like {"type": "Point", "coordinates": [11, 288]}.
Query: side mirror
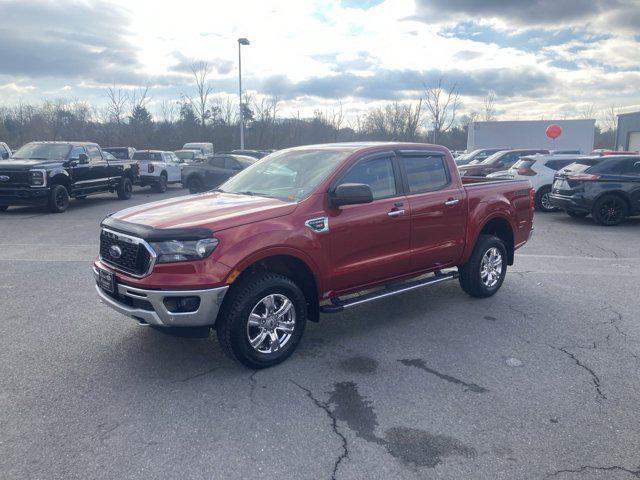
{"type": "Point", "coordinates": [350, 194]}
{"type": "Point", "coordinates": [83, 159]}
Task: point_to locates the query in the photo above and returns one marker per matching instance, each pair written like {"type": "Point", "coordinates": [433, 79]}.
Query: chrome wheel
{"type": "Point", "coordinates": [546, 202]}
{"type": "Point", "coordinates": [491, 267]}
{"type": "Point", "coordinates": [271, 323]}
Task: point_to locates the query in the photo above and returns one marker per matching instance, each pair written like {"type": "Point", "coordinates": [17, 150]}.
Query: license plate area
{"type": "Point", "coordinates": [106, 281]}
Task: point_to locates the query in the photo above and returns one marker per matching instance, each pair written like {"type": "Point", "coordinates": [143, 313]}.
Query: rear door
{"type": "Point", "coordinates": [438, 210]}
{"type": "Point", "coordinates": [215, 172]}
{"type": "Point", "coordinates": [232, 166]}
{"type": "Point", "coordinates": [371, 242]}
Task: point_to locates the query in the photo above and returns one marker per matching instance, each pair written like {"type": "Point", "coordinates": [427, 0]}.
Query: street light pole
{"type": "Point", "coordinates": [241, 41]}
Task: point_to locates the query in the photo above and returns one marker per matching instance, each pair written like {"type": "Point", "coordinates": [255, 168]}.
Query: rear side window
{"type": "Point", "coordinates": [231, 163]}
{"type": "Point", "coordinates": [217, 162]}
{"type": "Point", "coordinates": [581, 165]}
{"type": "Point", "coordinates": [627, 166]}
{"type": "Point", "coordinates": [93, 152]}
{"type": "Point", "coordinates": [425, 173]}
{"type": "Point", "coordinates": [558, 164]}
{"type": "Point", "coordinates": [377, 173]}
{"type": "Point", "coordinates": [631, 167]}
{"type": "Point", "coordinates": [154, 156]}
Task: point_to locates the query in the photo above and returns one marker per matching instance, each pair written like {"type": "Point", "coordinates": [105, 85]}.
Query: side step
{"type": "Point", "coordinates": [338, 305]}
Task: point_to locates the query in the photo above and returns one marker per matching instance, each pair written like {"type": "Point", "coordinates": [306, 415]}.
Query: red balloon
{"type": "Point", "coordinates": [553, 131]}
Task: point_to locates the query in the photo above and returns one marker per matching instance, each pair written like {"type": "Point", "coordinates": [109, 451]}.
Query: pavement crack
{"type": "Point", "coordinates": [594, 377]}
{"type": "Point", "coordinates": [614, 321]}
{"type": "Point", "coordinates": [334, 426]}
{"type": "Point", "coordinates": [524, 314]}
{"type": "Point", "coordinates": [584, 468]}
{"type": "Point", "coordinates": [252, 385]}
{"type": "Point", "coordinates": [196, 375]}
{"type": "Point", "coordinates": [421, 364]}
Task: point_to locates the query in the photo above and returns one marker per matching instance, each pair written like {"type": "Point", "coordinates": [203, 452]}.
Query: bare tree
{"type": "Point", "coordinates": [168, 111]}
{"type": "Point", "coordinates": [442, 104]}
{"type": "Point", "coordinates": [117, 100]}
{"type": "Point", "coordinates": [588, 111]}
{"type": "Point", "coordinates": [488, 107]}
{"type": "Point", "coordinates": [139, 98]}
{"type": "Point", "coordinates": [611, 117]}
{"type": "Point", "coordinates": [200, 102]}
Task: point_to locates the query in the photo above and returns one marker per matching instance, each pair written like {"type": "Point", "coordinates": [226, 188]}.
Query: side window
{"type": "Point", "coordinates": [377, 173]}
{"type": "Point", "coordinates": [425, 173]}
{"type": "Point", "coordinates": [217, 162]}
{"type": "Point", "coordinates": [558, 164]}
{"type": "Point", "coordinates": [630, 166]}
{"type": "Point", "coordinates": [508, 160]}
{"type": "Point", "coordinates": [94, 153]}
{"type": "Point", "coordinates": [231, 164]}
{"type": "Point", "coordinates": [75, 152]}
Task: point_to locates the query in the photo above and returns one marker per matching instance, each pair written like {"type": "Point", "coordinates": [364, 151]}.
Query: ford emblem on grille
{"type": "Point", "coordinates": [4, 178]}
{"type": "Point", "coordinates": [115, 251]}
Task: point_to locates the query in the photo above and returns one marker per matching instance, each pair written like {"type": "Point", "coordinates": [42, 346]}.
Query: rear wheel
{"type": "Point", "coordinates": [125, 188]}
{"type": "Point", "coordinates": [161, 185]}
{"type": "Point", "coordinates": [195, 185]}
{"type": "Point", "coordinates": [577, 214]}
{"type": "Point", "coordinates": [58, 199]}
{"type": "Point", "coordinates": [263, 321]}
{"type": "Point", "coordinates": [610, 210]}
{"type": "Point", "coordinates": [483, 274]}
{"type": "Point", "coordinates": [543, 202]}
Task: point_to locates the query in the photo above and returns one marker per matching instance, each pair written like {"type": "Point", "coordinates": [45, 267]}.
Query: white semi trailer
{"type": "Point", "coordinates": [576, 135]}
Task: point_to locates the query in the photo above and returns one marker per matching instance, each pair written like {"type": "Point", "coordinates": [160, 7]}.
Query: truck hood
{"type": "Point", "coordinates": [27, 164]}
{"type": "Point", "coordinates": [214, 210]}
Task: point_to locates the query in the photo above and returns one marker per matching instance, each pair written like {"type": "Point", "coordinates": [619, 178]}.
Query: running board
{"type": "Point", "coordinates": [338, 305]}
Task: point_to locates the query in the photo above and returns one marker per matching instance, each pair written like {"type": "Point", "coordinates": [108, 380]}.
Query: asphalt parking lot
{"type": "Point", "coordinates": [539, 381]}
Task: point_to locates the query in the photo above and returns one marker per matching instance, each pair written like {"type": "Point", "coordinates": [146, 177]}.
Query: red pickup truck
{"type": "Point", "coordinates": [308, 230]}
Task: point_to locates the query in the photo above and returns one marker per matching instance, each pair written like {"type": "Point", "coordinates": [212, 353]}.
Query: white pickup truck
{"type": "Point", "coordinates": [158, 168]}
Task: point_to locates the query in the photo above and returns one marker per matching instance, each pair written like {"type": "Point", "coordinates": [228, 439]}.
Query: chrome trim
{"type": "Point", "coordinates": [210, 302]}
{"type": "Point", "coordinates": [137, 241]}
{"type": "Point", "coordinates": [396, 213]}
{"type": "Point", "coordinates": [453, 201]}
{"type": "Point", "coordinates": [323, 230]}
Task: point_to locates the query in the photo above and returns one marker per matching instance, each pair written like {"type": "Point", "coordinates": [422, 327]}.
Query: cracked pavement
{"type": "Point", "coordinates": [539, 381]}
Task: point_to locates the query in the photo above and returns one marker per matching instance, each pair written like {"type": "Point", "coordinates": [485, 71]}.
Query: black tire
{"type": "Point", "coordinates": [195, 185]}
{"type": "Point", "coordinates": [233, 327]}
{"type": "Point", "coordinates": [542, 200]}
{"type": "Point", "coordinates": [161, 185]}
{"type": "Point", "coordinates": [3, 208]}
{"type": "Point", "coordinates": [575, 214]}
{"type": "Point", "coordinates": [125, 188]}
{"type": "Point", "coordinates": [610, 210]}
{"type": "Point", "coordinates": [471, 276]}
{"type": "Point", "coordinates": [58, 199]}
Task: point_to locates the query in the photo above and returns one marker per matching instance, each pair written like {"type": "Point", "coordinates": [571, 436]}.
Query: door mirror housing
{"type": "Point", "coordinates": [83, 159]}
{"type": "Point", "coordinates": [350, 194]}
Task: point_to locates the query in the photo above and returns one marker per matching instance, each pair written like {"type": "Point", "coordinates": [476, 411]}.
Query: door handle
{"type": "Point", "coordinates": [395, 213]}
{"type": "Point", "coordinates": [452, 201]}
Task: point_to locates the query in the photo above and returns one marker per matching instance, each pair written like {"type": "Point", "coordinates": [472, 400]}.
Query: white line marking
{"type": "Point", "coordinates": [49, 245]}
{"type": "Point", "coordinates": [568, 257]}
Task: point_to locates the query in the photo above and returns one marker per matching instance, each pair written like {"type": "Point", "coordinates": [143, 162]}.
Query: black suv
{"type": "Point", "coordinates": [606, 187]}
{"type": "Point", "coordinates": [49, 173]}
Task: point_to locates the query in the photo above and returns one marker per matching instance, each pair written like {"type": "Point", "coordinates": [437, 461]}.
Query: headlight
{"type": "Point", "coordinates": [37, 178]}
{"type": "Point", "coordinates": [183, 251]}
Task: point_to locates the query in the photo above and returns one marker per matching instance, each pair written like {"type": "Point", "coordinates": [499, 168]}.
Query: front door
{"type": "Point", "coordinates": [370, 242]}
{"type": "Point", "coordinates": [438, 211]}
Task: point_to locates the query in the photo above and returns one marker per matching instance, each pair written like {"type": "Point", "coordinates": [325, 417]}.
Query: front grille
{"type": "Point", "coordinates": [134, 257]}
{"type": "Point", "coordinates": [16, 178]}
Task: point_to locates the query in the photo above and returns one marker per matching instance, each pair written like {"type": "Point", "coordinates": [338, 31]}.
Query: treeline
{"type": "Point", "coordinates": [127, 121]}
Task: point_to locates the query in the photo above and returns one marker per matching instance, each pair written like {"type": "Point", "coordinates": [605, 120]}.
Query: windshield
{"type": "Point", "coordinates": [43, 151]}
{"type": "Point", "coordinates": [289, 175]}
{"type": "Point", "coordinates": [581, 165]}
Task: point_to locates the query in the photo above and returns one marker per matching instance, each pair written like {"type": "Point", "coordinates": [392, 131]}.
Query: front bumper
{"type": "Point", "coordinates": [147, 306]}
{"type": "Point", "coordinates": [23, 195]}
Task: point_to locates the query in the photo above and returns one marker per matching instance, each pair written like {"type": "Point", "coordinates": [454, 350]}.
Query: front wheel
{"type": "Point", "coordinates": [125, 188]}
{"type": "Point", "coordinates": [483, 274]}
{"type": "Point", "coordinates": [263, 321]}
{"type": "Point", "coordinates": [195, 185]}
{"type": "Point", "coordinates": [58, 199]}
{"type": "Point", "coordinates": [610, 210]}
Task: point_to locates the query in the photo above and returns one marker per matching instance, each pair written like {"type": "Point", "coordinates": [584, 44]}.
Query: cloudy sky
{"type": "Point", "coordinates": [542, 58]}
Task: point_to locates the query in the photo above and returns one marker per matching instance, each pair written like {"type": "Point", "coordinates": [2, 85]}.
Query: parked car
{"type": "Point", "coordinates": [502, 160]}
{"type": "Point", "coordinates": [251, 153]}
{"type": "Point", "coordinates": [540, 171]}
{"type": "Point", "coordinates": [476, 156]}
{"type": "Point", "coordinates": [607, 188]}
{"type": "Point", "coordinates": [189, 156]}
{"type": "Point", "coordinates": [49, 173]}
{"type": "Point", "coordinates": [295, 233]}
{"type": "Point", "coordinates": [198, 177]}
{"type": "Point", "coordinates": [121, 153]}
{"type": "Point", "coordinates": [205, 148]}
{"type": "Point", "coordinates": [158, 168]}
{"type": "Point", "coordinates": [5, 151]}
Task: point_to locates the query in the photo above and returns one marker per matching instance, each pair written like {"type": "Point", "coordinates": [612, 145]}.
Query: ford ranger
{"type": "Point", "coordinates": [309, 230]}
